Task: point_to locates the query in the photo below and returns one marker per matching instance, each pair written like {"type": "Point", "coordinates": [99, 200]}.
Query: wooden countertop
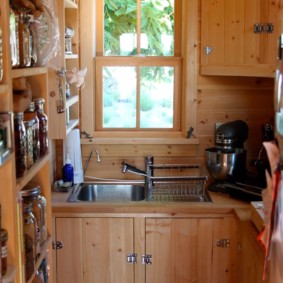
{"type": "Point", "coordinates": [221, 204]}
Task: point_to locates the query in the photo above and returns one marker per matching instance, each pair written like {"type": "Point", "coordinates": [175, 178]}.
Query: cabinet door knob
{"type": "Point", "coordinates": [207, 50]}
{"type": "Point", "coordinates": [146, 259]}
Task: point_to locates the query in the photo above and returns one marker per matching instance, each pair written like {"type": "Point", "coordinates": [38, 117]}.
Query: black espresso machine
{"type": "Point", "coordinates": [226, 163]}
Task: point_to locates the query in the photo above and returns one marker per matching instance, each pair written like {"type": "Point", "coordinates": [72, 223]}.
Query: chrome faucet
{"type": "Point", "coordinates": [148, 174]}
{"type": "Point", "coordinates": [89, 157]}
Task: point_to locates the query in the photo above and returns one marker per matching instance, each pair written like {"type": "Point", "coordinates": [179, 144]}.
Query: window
{"type": "Point", "coordinates": [138, 66]}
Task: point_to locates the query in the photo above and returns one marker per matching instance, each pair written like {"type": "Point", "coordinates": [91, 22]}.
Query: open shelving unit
{"type": "Point", "coordinates": [11, 213]}
{"type": "Point", "coordinates": [64, 122]}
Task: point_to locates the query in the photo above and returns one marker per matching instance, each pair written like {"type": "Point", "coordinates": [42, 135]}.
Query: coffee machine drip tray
{"type": "Point", "coordinates": [238, 190]}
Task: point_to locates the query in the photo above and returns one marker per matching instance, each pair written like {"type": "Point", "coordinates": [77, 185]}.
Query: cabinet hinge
{"type": "Point", "coordinates": [258, 28]}
{"type": "Point", "coordinates": [57, 245]}
{"type": "Point", "coordinates": [268, 28]}
{"type": "Point", "coordinates": [132, 258]}
{"type": "Point", "coordinates": [146, 259]}
{"type": "Point", "coordinates": [223, 243]}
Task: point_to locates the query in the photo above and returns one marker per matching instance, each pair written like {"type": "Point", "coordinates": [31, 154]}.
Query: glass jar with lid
{"type": "Point", "coordinates": [30, 114]}
{"type": "Point", "coordinates": [4, 251]}
{"type": "Point", "coordinates": [20, 144]}
{"type": "Point", "coordinates": [43, 125]}
{"type": "Point", "coordinates": [31, 193]}
{"type": "Point", "coordinates": [1, 56]}
{"type": "Point", "coordinates": [30, 236]}
{"type": "Point", "coordinates": [29, 142]}
{"type": "Point", "coordinates": [24, 38]}
{"type": "Point", "coordinates": [14, 39]}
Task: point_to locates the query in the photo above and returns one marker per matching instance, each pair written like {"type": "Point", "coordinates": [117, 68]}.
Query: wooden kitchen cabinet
{"type": "Point", "coordinates": [251, 255]}
{"type": "Point", "coordinates": [186, 250]}
{"type": "Point", "coordinates": [229, 44]}
{"type": "Point", "coordinates": [175, 250]}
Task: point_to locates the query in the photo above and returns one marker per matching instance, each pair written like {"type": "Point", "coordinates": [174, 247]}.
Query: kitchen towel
{"type": "Point", "coordinates": [73, 148]}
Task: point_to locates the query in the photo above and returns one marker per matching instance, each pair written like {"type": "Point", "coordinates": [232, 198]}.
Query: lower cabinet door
{"type": "Point", "coordinates": [94, 250]}
{"type": "Point", "coordinates": [185, 250]}
{"type": "Point", "coordinates": [69, 260]}
{"type": "Point", "coordinates": [106, 244]}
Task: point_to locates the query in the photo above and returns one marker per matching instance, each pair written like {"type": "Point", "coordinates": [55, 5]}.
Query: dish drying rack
{"type": "Point", "coordinates": [178, 182]}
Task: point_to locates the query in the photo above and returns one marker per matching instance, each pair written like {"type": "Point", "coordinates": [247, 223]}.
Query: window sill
{"type": "Point", "coordinates": [140, 141]}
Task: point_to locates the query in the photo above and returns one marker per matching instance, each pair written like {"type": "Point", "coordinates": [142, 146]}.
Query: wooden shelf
{"type": "Point", "coordinates": [23, 181]}
{"type": "Point", "coordinates": [72, 100]}
{"type": "Point", "coordinates": [27, 72]}
{"type": "Point", "coordinates": [72, 124]}
{"type": "Point", "coordinates": [70, 4]}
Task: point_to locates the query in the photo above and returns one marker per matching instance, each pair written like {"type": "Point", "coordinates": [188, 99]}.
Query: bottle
{"type": "Point", "coordinates": [20, 144]}
{"type": "Point", "coordinates": [68, 171]}
{"type": "Point", "coordinates": [43, 125]}
{"type": "Point", "coordinates": [31, 114]}
{"type": "Point", "coordinates": [29, 143]}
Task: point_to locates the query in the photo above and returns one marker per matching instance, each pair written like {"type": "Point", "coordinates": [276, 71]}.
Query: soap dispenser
{"type": "Point", "coordinates": [68, 172]}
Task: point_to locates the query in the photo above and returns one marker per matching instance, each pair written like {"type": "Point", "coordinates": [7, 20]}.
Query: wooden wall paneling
{"type": "Point", "coordinates": [86, 59]}
{"type": "Point", "coordinates": [190, 56]}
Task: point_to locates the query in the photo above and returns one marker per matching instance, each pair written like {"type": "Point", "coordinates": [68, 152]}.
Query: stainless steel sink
{"type": "Point", "coordinates": [92, 192]}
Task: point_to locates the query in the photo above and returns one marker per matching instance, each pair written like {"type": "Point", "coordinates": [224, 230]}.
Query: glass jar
{"type": "Point", "coordinates": [32, 194]}
{"type": "Point", "coordinates": [43, 125]}
{"type": "Point", "coordinates": [31, 114]}
{"type": "Point", "coordinates": [14, 39]}
{"type": "Point", "coordinates": [29, 142]}
{"type": "Point", "coordinates": [4, 251]}
{"type": "Point", "coordinates": [20, 144]}
{"type": "Point", "coordinates": [1, 56]}
{"type": "Point", "coordinates": [30, 236]}
{"type": "Point", "coordinates": [24, 39]}
{"type": "Point", "coordinates": [33, 39]}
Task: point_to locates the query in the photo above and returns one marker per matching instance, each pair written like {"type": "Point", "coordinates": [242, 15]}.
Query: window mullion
{"type": "Point", "coordinates": [138, 98]}
{"type": "Point", "coordinates": [138, 27]}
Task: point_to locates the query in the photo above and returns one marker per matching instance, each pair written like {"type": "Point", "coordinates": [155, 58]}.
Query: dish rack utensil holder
{"type": "Point", "coordinates": [178, 182]}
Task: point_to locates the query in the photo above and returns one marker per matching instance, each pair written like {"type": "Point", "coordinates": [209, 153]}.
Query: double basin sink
{"type": "Point", "coordinates": [116, 192]}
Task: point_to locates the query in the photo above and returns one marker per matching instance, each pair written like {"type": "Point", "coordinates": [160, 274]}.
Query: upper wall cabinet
{"type": "Point", "coordinates": [239, 37]}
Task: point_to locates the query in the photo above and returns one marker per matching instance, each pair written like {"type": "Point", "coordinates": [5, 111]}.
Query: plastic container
{"type": "Point", "coordinates": [68, 171]}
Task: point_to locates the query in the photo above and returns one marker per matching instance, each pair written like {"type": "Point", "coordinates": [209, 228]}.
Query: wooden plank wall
{"type": "Point", "coordinates": [218, 99]}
